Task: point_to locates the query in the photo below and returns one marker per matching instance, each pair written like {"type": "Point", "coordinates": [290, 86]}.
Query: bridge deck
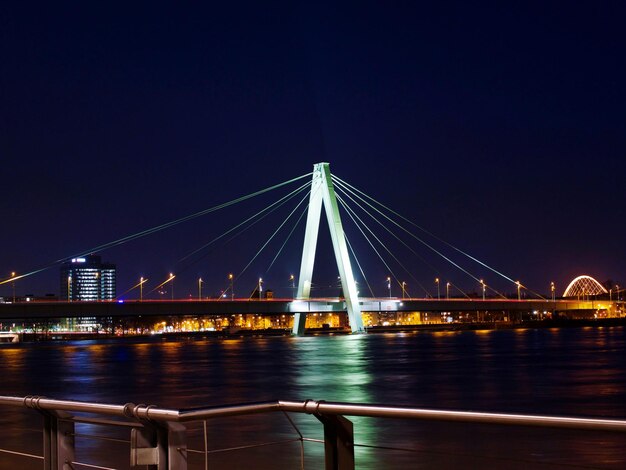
{"type": "Point", "coordinates": [285, 306]}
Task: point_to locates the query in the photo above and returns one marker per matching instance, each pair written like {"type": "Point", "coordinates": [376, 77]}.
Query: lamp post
{"type": "Point", "coordinates": [617, 292]}
{"type": "Point", "coordinates": [293, 286]}
{"type": "Point", "coordinates": [200, 288]}
{"type": "Point", "coordinates": [403, 289]}
{"type": "Point", "coordinates": [552, 289]}
{"type": "Point", "coordinates": [172, 280]}
{"type": "Point", "coordinates": [260, 288]}
{"type": "Point", "coordinates": [232, 286]}
{"type": "Point", "coordinates": [447, 291]}
{"type": "Point", "coordinates": [519, 286]}
{"type": "Point", "coordinates": [438, 294]}
{"type": "Point", "coordinates": [482, 283]}
{"type": "Point", "coordinates": [13, 284]}
{"type": "Point", "coordinates": [389, 285]}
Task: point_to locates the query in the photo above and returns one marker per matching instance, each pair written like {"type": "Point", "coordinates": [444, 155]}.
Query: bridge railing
{"type": "Point", "coordinates": [158, 438]}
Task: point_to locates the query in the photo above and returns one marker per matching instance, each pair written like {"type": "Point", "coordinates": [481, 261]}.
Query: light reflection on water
{"type": "Point", "coordinates": [552, 371]}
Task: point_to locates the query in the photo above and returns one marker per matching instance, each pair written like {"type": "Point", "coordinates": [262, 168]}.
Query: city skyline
{"type": "Point", "coordinates": [499, 130]}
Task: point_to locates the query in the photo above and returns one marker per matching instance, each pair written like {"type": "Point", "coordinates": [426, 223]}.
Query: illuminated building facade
{"type": "Point", "coordinates": [88, 279]}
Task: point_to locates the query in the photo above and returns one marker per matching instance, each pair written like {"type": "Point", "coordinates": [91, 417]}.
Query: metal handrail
{"type": "Point", "coordinates": [330, 414]}
{"type": "Point", "coordinates": [374, 411]}
{"type": "Point", "coordinates": [314, 407]}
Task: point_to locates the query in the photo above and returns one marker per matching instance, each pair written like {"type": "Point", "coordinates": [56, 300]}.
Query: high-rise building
{"type": "Point", "coordinates": [87, 279]}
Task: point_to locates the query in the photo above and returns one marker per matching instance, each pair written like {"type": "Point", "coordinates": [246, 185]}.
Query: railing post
{"type": "Point", "coordinates": [159, 446]}
{"type": "Point", "coordinates": [176, 445]}
{"type": "Point", "coordinates": [143, 447]}
{"type": "Point", "coordinates": [58, 440]}
{"type": "Point", "coordinates": [338, 442]}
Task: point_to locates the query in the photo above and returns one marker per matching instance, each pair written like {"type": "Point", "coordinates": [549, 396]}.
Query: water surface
{"type": "Point", "coordinates": [567, 371]}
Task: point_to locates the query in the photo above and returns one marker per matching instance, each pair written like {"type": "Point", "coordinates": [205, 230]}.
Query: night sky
{"type": "Point", "coordinates": [500, 128]}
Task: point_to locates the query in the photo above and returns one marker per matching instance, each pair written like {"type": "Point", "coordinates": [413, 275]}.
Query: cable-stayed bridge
{"type": "Point", "coordinates": [328, 193]}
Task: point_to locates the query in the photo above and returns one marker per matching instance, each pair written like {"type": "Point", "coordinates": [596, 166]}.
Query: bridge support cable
{"type": "Point", "coordinates": [273, 235]}
{"type": "Point", "coordinates": [356, 260]}
{"type": "Point", "coordinates": [460, 290]}
{"type": "Point", "coordinates": [409, 233]}
{"type": "Point", "coordinates": [169, 279]}
{"type": "Point", "coordinates": [412, 250]}
{"type": "Point", "coordinates": [155, 229]}
{"type": "Point", "coordinates": [260, 215]}
{"type": "Point", "coordinates": [371, 245]}
{"type": "Point", "coordinates": [353, 215]}
{"type": "Point", "coordinates": [349, 196]}
{"type": "Point", "coordinates": [435, 270]}
{"type": "Point", "coordinates": [349, 188]}
{"type": "Point", "coordinates": [344, 183]}
{"type": "Point", "coordinates": [356, 190]}
{"type": "Point", "coordinates": [360, 222]}
{"type": "Point", "coordinates": [143, 281]}
{"type": "Point", "coordinates": [287, 239]}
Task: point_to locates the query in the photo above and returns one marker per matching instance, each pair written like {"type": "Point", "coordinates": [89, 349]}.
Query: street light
{"type": "Point", "coordinates": [617, 291]}
{"type": "Point", "coordinates": [293, 285]}
{"type": "Point", "coordinates": [389, 285]}
{"type": "Point", "coordinates": [260, 288]}
{"type": "Point", "coordinates": [200, 288]}
{"type": "Point", "coordinates": [232, 286]}
{"type": "Point", "coordinates": [172, 279]}
{"type": "Point", "coordinates": [519, 286]}
{"type": "Point", "coordinates": [13, 284]}
{"type": "Point", "coordinates": [447, 291]}
{"type": "Point", "coordinates": [482, 283]}
{"type": "Point", "coordinates": [403, 289]}
{"type": "Point", "coordinates": [552, 289]}
{"type": "Point", "coordinates": [437, 282]}
{"type": "Point", "coordinates": [141, 281]}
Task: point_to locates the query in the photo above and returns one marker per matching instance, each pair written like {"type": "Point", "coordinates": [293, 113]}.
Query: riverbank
{"type": "Point", "coordinates": [238, 333]}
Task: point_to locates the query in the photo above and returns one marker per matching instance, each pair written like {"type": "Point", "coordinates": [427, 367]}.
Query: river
{"type": "Point", "coordinates": [558, 371]}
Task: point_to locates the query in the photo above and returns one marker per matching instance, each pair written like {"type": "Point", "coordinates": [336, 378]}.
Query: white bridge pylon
{"type": "Point", "coordinates": [323, 193]}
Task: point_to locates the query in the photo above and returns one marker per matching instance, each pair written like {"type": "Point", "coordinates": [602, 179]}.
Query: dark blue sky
{"type": "Point", "coordinates": [500, 128]}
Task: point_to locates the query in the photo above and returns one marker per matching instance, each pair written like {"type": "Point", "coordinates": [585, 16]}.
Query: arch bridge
{"type": "Point", "coordinates": [584, 285]}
